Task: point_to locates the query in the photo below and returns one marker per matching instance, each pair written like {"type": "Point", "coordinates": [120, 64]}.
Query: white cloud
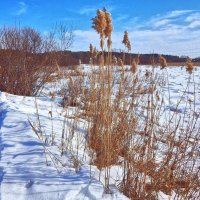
{"type": "Point", "coordinates": [87, 10]}
{"type": "Point", "coordinates": [175, 42]}
{"type": "Point", "coordinates": [195, 24]}
{"type": "Point", "coordinates": [192, 17]}
{"type": "Point", "coordinates": [121, 18]}
{"type": "Point", "coordinates": [177, 13]}
{"type": "Point", "coordinates": [161, 22]}
{"type": "Point", "coordinates": [169, 19]}
{"type": "Point", "coordinates": [83, 38]}
{"type": "Point", "coordinates": [160, 34]}
{"type": "Point", "coordinates": [22, 8]}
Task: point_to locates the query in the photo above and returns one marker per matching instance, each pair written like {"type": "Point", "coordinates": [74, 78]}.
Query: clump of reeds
{"type": "Point", "coordinates": [100, 131]}
{"type": "Point", "coordinates": [123, 111]}
{"type": "Point", "coordinates": [127, 125]}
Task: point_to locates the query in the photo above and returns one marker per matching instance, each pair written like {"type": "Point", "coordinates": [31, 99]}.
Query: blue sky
{"type": "Point", "coordinates": [160, 26]}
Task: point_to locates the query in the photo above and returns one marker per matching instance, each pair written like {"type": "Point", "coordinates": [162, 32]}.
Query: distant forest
{"type": "Point", "coordinates": [67, 58]}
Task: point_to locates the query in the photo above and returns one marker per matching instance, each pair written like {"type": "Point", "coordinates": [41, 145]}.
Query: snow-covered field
{"type": "Point", "coordinates": [24, 172]}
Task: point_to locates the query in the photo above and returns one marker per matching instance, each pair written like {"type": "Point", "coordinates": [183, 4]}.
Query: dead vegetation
{"type": "Point", "coordinates": [127, 122]}
{"type": "Point", "coordinates": [28, 58]}
{"type": "Point", "coordinates": [158, 156]}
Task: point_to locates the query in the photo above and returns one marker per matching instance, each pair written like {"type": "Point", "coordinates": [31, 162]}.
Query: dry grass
{"type": "Point", "coordinates": [118, 130]}
{"type": "Point", "coordinates": [123, 110]}
{"type": "Point", "coordinates": [190, 66]}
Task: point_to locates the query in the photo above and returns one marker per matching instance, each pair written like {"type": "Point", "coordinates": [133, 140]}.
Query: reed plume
{"type": "Point", "coordinates": [91, 49]}
{"type": "Point", "coordinates": [102, 23]}
{"type": "Point", "coordinates": [99, 23]}
{"type": "Point", "coordinates": [126, 41]}
{"type": "Point", "coordinates": [190, 66]}
{"type": "Point", "coordinates": [108, 28]}
{"type": "Point", "coordinates": [163, 62]}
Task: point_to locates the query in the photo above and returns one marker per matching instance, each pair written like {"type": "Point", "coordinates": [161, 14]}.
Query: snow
{"type": "Point", "coordinates": [24, 172]}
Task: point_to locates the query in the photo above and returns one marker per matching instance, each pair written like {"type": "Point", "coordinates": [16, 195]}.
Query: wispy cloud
{"type": "Point", "coordinates": [83, 38]}
{"type": "Point", "coordinates": [193, 20]}
{"type": "Point", "coordinates": [22, 8]}
{"type": "Point", "coordinates": [167, 20]}
{"type": "Point", "coordinates": [195, 24]}
{"type": "Point", "coordinates": [162, 22]}
{"type": "Point", "coordinates": [87, 10]}
{"type": "Point", "coordinates": [177, 13]}
{"type": "Point", "coordinates": [193, 16]}
{"type": "Point", "coordinates": [170, 33]}
{"type": "Point", "coordinates": [121, 18]}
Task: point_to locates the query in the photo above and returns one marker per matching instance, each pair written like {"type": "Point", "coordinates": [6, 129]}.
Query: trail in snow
{"type": "Point", "coordinates": [2, 116]}
{"type": "Point", "coordinates": [23, 170]}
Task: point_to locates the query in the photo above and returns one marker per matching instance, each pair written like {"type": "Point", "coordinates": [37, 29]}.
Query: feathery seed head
{"type": "Point", "coordinates": [99, 23]}
{"type": "Point", "coordinates": [109, 27]}
{"type": "Point", "coordinates": [102, 23]}
{"type": "Point", "coordinates": [93, 51]}
{"type": "Point", "coordinates": [190, 66]}
{"type": "Point", "coordinates": [129, 46]}
{"type": "Point", "coordinates": [126, 41]}
{"type": "Point", "coordinates": [163, 62]}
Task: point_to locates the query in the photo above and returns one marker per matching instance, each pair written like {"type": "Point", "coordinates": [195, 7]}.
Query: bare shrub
{"type": "Point", "coordinates": [28, 58]}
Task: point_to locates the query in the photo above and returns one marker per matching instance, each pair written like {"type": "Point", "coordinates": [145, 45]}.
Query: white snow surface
{"type": "Point", "coordinates": [24, 174]}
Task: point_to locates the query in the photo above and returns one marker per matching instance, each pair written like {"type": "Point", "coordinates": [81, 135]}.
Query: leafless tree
{"type": "Point", "coordinates": [27, 58]}
{"type": "Point", "coordinates": [59, 38]}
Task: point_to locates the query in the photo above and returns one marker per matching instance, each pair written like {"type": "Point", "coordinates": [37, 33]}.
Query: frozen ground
{"type": "Point", "coordinates": [23, 170]}
{"type": "Point", "coordinates": [24, 173]}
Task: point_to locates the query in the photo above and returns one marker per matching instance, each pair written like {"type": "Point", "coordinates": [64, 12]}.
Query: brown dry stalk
{"type": "Point", "coordinates": [134, 66]}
